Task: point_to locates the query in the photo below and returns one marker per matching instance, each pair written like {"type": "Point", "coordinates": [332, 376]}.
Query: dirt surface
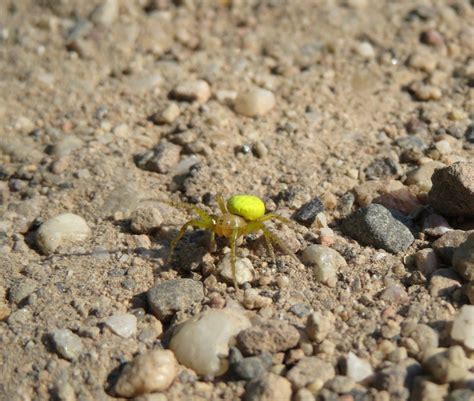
{"type": "Point", "coordinates": [81, 96]}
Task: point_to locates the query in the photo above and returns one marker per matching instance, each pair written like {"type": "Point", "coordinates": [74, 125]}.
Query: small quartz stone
{"type": "Point", "coordinates": [60, 230]}
{"type": "Point", "coordinates": [255, 102]}
{"type": "Point", "coordinates": [67, 344]}
{"type": "Point", "coordinates": [147, 373]}
{"type": "Point", "coordinates": [202, 342]}
{"type": "Point", "coordinates": [462, 330]}
{"type": "Point", "coordinates": [190, 91]}
{"type": "Point", "coordinates": [358, 369]}
{"type": "Point", "coordinates": [123, 324]}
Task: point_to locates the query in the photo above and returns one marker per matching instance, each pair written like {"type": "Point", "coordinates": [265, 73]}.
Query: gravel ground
{"type": "Point", "coordinates": [352, 118]}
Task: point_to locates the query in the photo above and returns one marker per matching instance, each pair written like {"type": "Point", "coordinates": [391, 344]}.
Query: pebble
{"type": "Point", "coordinates": [123, 200]}
{"type": "Point", "coordinates": [462, 330]}
{"type": "Point", "coordinates": [253, 299]}
{"type": "Point", "coordinates": [145, 220]}
{"type": "Point", "coordinates": [340, 384]}
{"type": "Point", "coordinates": [463, 258]}
{"type": "Point", "coordinates": [397, 379]}
{"type": "Point", "coordinates": [106, 13]}
{"type": "Point", "coordinates": [452, 193]}
{"type": "Point", "coordinates": [425, 337]}
{"type": "Point", "coordinates": [309, 369]}
{"type": "Point", "coordinates": [358, 369]}
{"type": "Point", "coordinates": [268, 387]}
{"type": "Point", "coordinates": [436, 225]}
{"type": "Point", "coordinates": [425, 390]}
{"type": "Point", "coordinates": [191, 91]}
{"type": "Point", "coordinates": [468, 290]}
{"type": "Point", "coordinates": [443, 283]}
{"type": "Point", "coordinates": [67, 344]}
{"type": "Point", "coordinates": [448, 243]}
{"type": "Point", "coordinates": [326, 263]}
{"type": "Point", "coordinates": [144, 82]}
{"type": "Point", "coordinates": [252, 367]}
{"type": "Point", "coordinates": [122, 324]}
{"type": "Point", "coordinates": [255, 102]}
{"type": "Point", "coordinates": [366, 50]}
{"type": "Point", "coordinates": [168, 115]}
{"type": "Point", "coordinates": [260, 149]}
{"type": "Point", "coordinates": [245, 272]}
{"type": "Point", "coordinates": [307, 213]}
{"type": "Point", "coordinates": [447, 365]}
{"type": "Point", "coordinates": [202, 342]}
{"type": "Point", "coordinates": [20, 291]}
{"type": "Point", "coordinates": [61, 230]}
{"type": "Point", "coordinates": [160, 159]}
{"type": "Point", "coordinates": [151, 372]}
{"type": "Point", "coordinates": [169, 297]}
{"type": "Point", "coordinates": [300, 309]}
{"type": "Point", "coordinates": [426, 261]}
{"type": "Point", "coordinates": [469, 134]}
{"type": "Point", "coordinates": [269, 336]}
{"type": "Point", "coordinates": [425, 92]}
{"type": "Point", "coordinates": [423, 61]}
{"type": "Point", "coordinates": [66, 145]}
{"type": "Point", "coordinates": [431, 37]}
{"type": "Point", "coordinates": [421, 176]}
{"type": "Point", "coordinates": [374, 225]}
{"type": "Point", "coordinates": [394, 293]}
{"type": "Point", "coordinates": [319, 325]}
{"type": "Point", "coordinates": [382, 168]}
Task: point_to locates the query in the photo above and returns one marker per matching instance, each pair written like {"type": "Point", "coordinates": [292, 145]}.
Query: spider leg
{"type": "Point", "coordinates": [271, 216]}
{"type": "Point", "coordinates": [213, 245]}
{"type": "Point", "coordinates": [190, 223]}
{"type": "Point", "coordinates": [268, 241]}
{"type": "Point", "coordinates": [274, 238]}
{"type": "Point", "coordinates": [233, 246]}
{"type": "Point", "coordinates": [221, 203]}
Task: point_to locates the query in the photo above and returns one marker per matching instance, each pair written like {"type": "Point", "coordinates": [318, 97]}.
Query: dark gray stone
{"type": "Point", "coordinates": [252, 367]}
{"type": "Point", "coordinates": [307, 213]}
{"type": "Point", "coordinates": [169, 297]}
{"type": "Point", "coordinates": [382, 168]}
{"type": "Point", "coordinates": [374, 225]}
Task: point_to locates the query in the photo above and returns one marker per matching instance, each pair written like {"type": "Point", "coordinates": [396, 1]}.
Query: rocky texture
{"type": "Point", "coordinates": [452, 193]}
{"type": "Point", "coordinates": [255, 102]}
{"type": "Point", "coordinates": [463, 258]}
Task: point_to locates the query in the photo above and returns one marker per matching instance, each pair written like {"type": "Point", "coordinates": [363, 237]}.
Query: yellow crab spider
{"type": "Point", "coordinates": [240, 215]}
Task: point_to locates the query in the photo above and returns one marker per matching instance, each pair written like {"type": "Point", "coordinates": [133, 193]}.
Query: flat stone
{"type": "Point", "coordinates": [169, 297]}
{"type": "Point", "coordinates": [374, 225]}
{"type": "Point", "coordinates": [202, 342]}
{"type": "Point", "coordinates": [122, 324]}
{"type": "Point", "coordinates": [462, 330]}
{"type": "Point", "coordinates": [67, 344]}
{"type": "Point", "coordinates": [463, 258]}
{"type": "Point", "coordinates": [145, 220]}
{"type": "Point", "coordinates": [270, 336]}
{"type": "Point", "coordinates": [452, 193]}
{"type": "Point", "coordinates": [307, 213]}
{"type": "Point", "coordinates": [60, 230]}
{"type": "Point", "coordinates": [255, 102]}
{"type": "Point", "coordinates": [151, 372]}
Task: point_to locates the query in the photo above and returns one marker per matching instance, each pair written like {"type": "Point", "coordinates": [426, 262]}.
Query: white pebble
{"type": "Point", "coordinates": [255, 102]}
{"type": "Point", "coordinates": [169, 114]}
{"type": "Point", "coordinates": [60, 230]}
{"type": "Point", "coordinates": [106, 13]}
{"type": "Point", "coordinates": [358, 369]}
{"type": "Point", "coordinates": [147, 373]}
{"type": "Point", "coordinates": [122, 324]}
{"type": "Point", "coordinates": [67, 344]}
{"type": "Point", "coordinates": [193, 91]}
{"type": "Point", "coordinates": [443, 147]}
{"type": "Point", "coordinates": [244, 270]}
{"type": "Point", "coordinates": [463, 327]}
{"type": "Point", "coordinates": [202, 342]}
{"type": "Point", "coordinates": [366, 50]}
{"type": "Point", "coordinates": [326, 263]}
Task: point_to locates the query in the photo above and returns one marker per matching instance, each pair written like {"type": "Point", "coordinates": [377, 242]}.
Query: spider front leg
{"type": "Point", "coordinates": [207, 225]}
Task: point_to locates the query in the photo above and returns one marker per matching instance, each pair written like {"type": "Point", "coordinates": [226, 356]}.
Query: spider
{"type": "Point", "coordinates": [240, 215]}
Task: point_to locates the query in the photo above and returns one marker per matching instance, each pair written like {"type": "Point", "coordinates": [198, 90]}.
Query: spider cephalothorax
{"type": "Point", "coordinates": [240, 215]}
